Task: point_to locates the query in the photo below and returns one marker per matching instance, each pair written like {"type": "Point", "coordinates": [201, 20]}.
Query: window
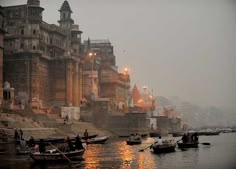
{"type": "Point", "coordinates": [33, 47]}
{"type": "Point", "coordinates": [22, 31]}
{"type": "Point", "coordinates": [34, 32]}
{"type": "Point", "coordinates": [22, 45]}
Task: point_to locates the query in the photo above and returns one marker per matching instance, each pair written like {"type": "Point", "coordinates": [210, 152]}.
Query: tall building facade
{"type": "Point", "coordinates": [42, 61]}
{"type": "Point", "coordinates": [108, 82]}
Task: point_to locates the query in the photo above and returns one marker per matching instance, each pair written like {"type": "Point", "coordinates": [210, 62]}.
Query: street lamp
{"type": "Point", "coordinates": [91, 57]}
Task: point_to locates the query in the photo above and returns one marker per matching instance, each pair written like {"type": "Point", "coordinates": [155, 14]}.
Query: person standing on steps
{"type": "Point", "coordinates": [86, 135]}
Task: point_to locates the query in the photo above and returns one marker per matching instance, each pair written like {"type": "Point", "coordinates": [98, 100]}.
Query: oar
{"type": "Point", "coordinates": [205, 143]}
{"type": "Point", "coordinates": [145, 148]}
{"type": "Point", "coordinates": [63, 154]}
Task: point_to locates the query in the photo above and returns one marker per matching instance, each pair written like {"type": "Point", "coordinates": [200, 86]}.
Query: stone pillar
{"type": "Point", "coordinates": [76, 85]}
{"type": "Point", "coordinates": [80, 83]}
{"type": "Point", "coordinates": [69, 85]}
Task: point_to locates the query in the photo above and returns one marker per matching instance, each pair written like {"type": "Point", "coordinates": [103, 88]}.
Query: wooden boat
{"type": "Point", "coordinates": [164, 148]}
{"type": "Point", "coordinates": [20, 151]}
{"type": "Point", "coordinates": [90, 136]}
{"type": "Point", "coordinates": [54, 155]}
{"type": "Point", "coordinates": [133, 142]}
{"type": "Point", "coordinates": [177, 134]}
{"type": "Point", "coordinates": [49, 140]}
{"type": "Point", "coordinates": [96, 140]}
{"type": "Point", "coordinates": [60, 140]}
{"type": "Point", "coordinates": [187, 145]}
{"type": "Point", "coordinates": [125, 136]}
{"type": "Point", "coordinates": [154, 134]}
{"type": "Point", "coordinates": [208, 133]}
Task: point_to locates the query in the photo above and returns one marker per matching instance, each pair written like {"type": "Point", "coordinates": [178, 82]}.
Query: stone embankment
{"type": "Point", "coordinates": [42, 126]}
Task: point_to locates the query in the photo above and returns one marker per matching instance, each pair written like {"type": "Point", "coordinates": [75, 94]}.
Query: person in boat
{"type": "Point", "coordinates": [195, 137]}
{"type": "Point", "coordinates": [184, 138]}
{"type": "Point", "coordinates": [78, 143]}
{"type": "Point", "coordinates": [70, 146]}
{"type": "Point", "coordinates": [131, 137]}
{"type": "Point", "coordinates": [86, 135]}
{"type": "Point", "coordinates": [137, 137]}
{"type": "Point", "coordinates": [23, 145]}
{"type": "Point", "coordinates": [16, 135]}
{"type": "Point", "coordinates": [189, 137]}
{"type": "Point", "coordinates": [42, 146]}
{"type": "Point", "coordinates": [21, 134]}
{"type": "Point", "coordinates": [159, 141]}
{"type": "Point", "coordinates": [31, 142]}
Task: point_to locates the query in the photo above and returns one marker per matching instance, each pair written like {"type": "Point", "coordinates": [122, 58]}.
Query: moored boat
{"type": "Point", "coordinates": [49, 140]}
{"type": "Point", "coordinates": [154, 134]}
{"type": "Point", "coordinates": [177, 134]}
{"type": "Point", "coordinates": [96, 140]}
{"type": "Point", "coordinates": [54, 155]}
{"type": "Point", "coordinates": [208, 132]}
{"type": "Point", "coordinates": [59, 140]}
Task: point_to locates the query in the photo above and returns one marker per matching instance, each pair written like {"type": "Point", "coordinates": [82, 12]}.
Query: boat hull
{"type": "Point", "coordinates": [187, 145]}
{"type": "Point", "coordinates": [44, 157]}
{"type": "Point", "coordinates": [96, 140]}
{"type": "Point", "coordinates": [166, 148]}
{"type": "Point", "coordinates": [134, 142]}
{"type": "Point", "coordinates": [153, 134]}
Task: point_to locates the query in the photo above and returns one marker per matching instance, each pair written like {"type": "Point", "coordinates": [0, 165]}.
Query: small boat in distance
{"type": "Point", "coordinates": [208, 132]}
{"type": "Point", "coordinates": [133, 142]}
{"type": "Point", "coordinates": [96, 140]}
{"type": "Point", "coordinates": [166, 147]}
{"type": "Point", "coordinates": [134, 139]}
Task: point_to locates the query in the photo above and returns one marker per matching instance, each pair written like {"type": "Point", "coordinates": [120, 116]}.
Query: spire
{"type": "Point", "coordinates": [88, 44]}
{"type": "Point", "coordinates": [65, 7]}
{"type": "Point", "coordinates": [136, 95]}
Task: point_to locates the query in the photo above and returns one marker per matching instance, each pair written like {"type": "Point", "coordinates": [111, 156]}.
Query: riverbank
{"type": "Point", "coordinates": [43, 125]}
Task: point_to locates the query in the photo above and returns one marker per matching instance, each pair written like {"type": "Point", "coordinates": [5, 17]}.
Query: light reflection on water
{"type": "Point", "coordinates": [117, 155]}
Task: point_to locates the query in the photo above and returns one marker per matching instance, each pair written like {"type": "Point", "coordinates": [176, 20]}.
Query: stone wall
{"type": "Point", "coordinates": [124, 125]}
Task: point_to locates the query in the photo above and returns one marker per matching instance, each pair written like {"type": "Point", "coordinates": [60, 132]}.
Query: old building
{"type": "Point", "coordinates": [101, 71]}
{"type": "Point", "coordinates": [42, 61]}
{"type": "Point", "coordinates": [1, 51]}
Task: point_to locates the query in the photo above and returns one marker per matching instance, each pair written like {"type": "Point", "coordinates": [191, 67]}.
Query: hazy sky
{"type": "Point", "coordinates": [184, 48]}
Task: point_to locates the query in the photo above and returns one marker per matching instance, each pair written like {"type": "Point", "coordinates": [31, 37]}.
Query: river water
{"type": "Point", "coordinates": [115, 154]}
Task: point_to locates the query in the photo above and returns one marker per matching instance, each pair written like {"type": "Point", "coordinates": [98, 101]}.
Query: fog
{"type": "Point", "coordinates": [183, 48]}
